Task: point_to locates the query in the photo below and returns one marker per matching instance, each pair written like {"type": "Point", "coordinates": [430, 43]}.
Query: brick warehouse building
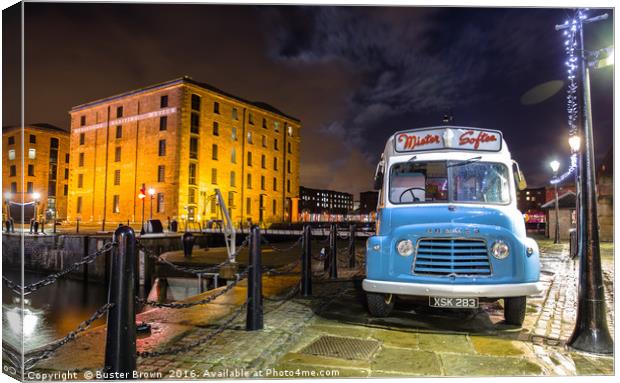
{"type": "Point", "coordinates": [46, 168]}
{"type": "Point", "coordinates": [182, 138]}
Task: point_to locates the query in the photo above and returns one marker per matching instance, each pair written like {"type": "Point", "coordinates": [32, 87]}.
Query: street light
{"type": "Point", "coordinates": [152, 194]}
{"type": "Point", "coordinates": [575, 143]}
{"type": "Point", "coordinates": [555, 166]}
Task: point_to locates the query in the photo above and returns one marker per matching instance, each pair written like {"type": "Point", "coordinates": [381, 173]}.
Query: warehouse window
{"type": "Point", "coordinates": [161, 173]}
{"type": "Point", "coordinates": [82, 120]}
{"type": "Point", "coordinates": [214, 152]}
{"type": "Point", "coordinates": [275, 144]}
{"type": "Point", "coordinates": [216, 107]}
{"type": "Point", "coordinates": [231, 199]}
{"type": "Point", "coordinates": [275, 163]}
{"type": "Point", "coordinates": [214, 176]}
{"type": "Point", "coordinates": [216, 128]}
{"type": "Point", "coordinates": [250, 118]}
{"type": "Point", "coordinates": [13, 187]}
{"type": "Point", "coordinates": [119, 111]}
{"type": "Point", "coordinates": [249, 158]}
{"type": "Point", "coordinates": [65, 190]}
{"type": "Point", "coordinates": [82, 138]}
{"type": "Point", "coordinates": [163, 123]}
{"type": "Point", "coordinates": [276, 126]}
{"type": "Point", "coordinates": [67, 158]}
{"type": "Point", "coordinates": [32, 153]}
{"type": "Point", "coordinates": [235, 114]}
{"type": "Point", "coordinates": [117, 154]}
{"type": "Point", "coordinates": [66, 173]}
{"type": "Point", "coordinates": [117, 177]}
{"type": "Point", "coordinates": [262, 182]}
{"type": "Point", "coordinates": [264, 141]}
{"type": "Point", "coordinates": [160, 202]}
{"type": "Point", "coordinates": [288, 166]}
{"type": "Point", "coordinates": [195, 102]}
{"type": "Point", "coordinates": [81, 159]}
{"type": "Point", "coordinates": [12, 140]}
{"type": "Point", "coordinates": [263, 161]}
{"type": "Point", "coordinates": [288, 186]}
{"type": "Point", "coordinates": [233, 179]}
{"type": "Point", "coordinates": [233, 133]}
{"type": "Point", "coordinates": [273, 207]}
{"type": "Point", "coordinates": [116, 204]}
{"type": "Point", "coordinates": [192, 174]}
{"type": "Point", "coordinates": [193, 148]}
{"type": "Point", "coordinates": [30, 170]}
{"type": "Point", "coordinates": [250, 138]}
{"type": "Point", "coordinates": [119, 131]}
{"type": "Point", "coordinates": [11, 154]}
{"type": "Point", "coordinates": [289, 148]}
{"type": "Point", "coordinates": [162, 148]}
{"type": "Point", "coordinates": [249, 181]}
{"type": "Point", "coordinates": [264, 123]}
{"type": "Point", "coordinates": [194, 123]}
{"type": "Point", "coordinates": [12, 171]}
{"type": "Point", "coordinates": [191, 195]}
{"type": "Point", "coordinates": [80, 180]}
{"type": "Point", "coordinates": [275, 184]}
{"type": "Point", "coordinates": [33, 139]}
{"type": "Point", "coordinates": [79, 205]}
{"type": "Point", "coordinates": [248, 206]}
{"type": "Point", "coordinates": [163, 101]}
{"type": "Point", "coordinates": [233, 156]}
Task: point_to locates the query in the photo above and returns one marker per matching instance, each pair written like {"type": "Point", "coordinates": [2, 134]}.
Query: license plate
{"type": "Point", "coordinates": [453, 303]}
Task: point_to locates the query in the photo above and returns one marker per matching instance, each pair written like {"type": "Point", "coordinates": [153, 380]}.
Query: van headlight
{"type": "Point", "coordinates": [500, 250]}
{"type": "Point", "coordinates": [405, 247]}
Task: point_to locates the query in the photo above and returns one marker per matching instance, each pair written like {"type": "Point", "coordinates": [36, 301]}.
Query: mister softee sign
{"type": "Point", "coordinates": [448, 138]}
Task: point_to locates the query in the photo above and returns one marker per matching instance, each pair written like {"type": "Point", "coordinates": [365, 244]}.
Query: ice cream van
{"type": "Point", "coordinates": [448, 227]}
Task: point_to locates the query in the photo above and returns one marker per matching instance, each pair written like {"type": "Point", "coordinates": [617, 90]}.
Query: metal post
{"type": "Point", "coordinates": [120, 348]}
{"type": "Point", "coordinates": [77, 226]}
{"type": "Point", "coordinates": [591, 333]}
{"type": "Point", "coordinates": [188, 240]}
{"type": "Point", "coordinates": [557, 215]}
{"type": "Point", "coordinates": [306, 263]}
{"type": "Point", "coordinates": [333, 252]}
{"type": "Point", "coordinates": [254, 319]}
{"type": "Point", "coordinates": [352, 245]}
{"type": "Point", "coordinates": [43, 226]}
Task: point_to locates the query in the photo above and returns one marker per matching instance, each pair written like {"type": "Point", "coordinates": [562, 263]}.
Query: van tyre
{"type": "Point", "coordinates": [514, 310]}
{"type": "Point", "coordinates": [380, 305]}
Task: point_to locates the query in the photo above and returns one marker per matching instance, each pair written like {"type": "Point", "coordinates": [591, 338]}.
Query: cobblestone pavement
{"type": "Point", "coordinates": [413, 341]}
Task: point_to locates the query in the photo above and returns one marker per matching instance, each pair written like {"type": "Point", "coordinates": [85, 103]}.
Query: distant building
{"type": "Point", "coordinates": [566, 215]}
{"type": "Point", "coordinates": [45, 173]}
{"type": "Point", "coordinates": [316, 203]}
{"type": "Point", "coordinates": [368, 201]}
{"type": "Point", "coordinates": [531, 199]}
{"type": "Point", "coordinates": [184, 139]}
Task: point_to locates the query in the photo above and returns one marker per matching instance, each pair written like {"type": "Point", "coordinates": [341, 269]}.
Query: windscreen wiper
{"type": "Point", "coordinates": [469, 161]}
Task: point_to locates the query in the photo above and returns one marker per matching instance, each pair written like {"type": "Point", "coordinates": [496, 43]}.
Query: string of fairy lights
{"type": "Point", "coordinates": [572, 64]}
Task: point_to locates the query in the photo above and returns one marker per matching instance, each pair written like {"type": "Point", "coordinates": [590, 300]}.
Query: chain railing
{"type": "Point", "coordinates": [29, 289]}
{"type": "Point", "coordinates": [51, 348]}
{"type": "Point", "coordinates": [184, 305]}
{"type": "Point", "coordinates": [285, 249]}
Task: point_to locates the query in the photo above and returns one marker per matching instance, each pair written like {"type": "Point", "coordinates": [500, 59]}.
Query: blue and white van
{"type": "Point", "coordinates": [448, 227]}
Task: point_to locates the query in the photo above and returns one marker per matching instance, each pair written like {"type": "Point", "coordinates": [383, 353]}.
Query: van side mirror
{"type": "Point", "coordinates": [379, 175]}
{"type": "Point", "coordinates": [521, 183]}
{"type": "Point", "coordinates": [378, 180]}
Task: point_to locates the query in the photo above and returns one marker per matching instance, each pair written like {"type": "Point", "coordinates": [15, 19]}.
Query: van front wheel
{"type": "Point", "coordinates": [380, 305]}
{"type": "Point", "coordinates": [514, 310]}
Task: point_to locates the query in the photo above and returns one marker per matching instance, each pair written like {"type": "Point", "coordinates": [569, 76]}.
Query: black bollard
{"type": "Point", "coordinates": [188, 244]}
{"type": "Point", "coordinates": [333, 252]}
{"type": "Point", "coordinates": [7, 223]}
{"type": "Point", "coordinates": [352, 246]}
{"type": "Point", "coordinates": [174, 226]}
{"type": "Point", "coordinates": [12, 225]}
{"type": "Point", "coordinates": [254, 319]}
{"type": "Point", "coordinates": [35, 226]}
{"type": "Point", "coordinates": [120, 347]}
{"type": "Point", "coordinates": [306, 263]}
{"type": "Point", "coordinates": [327, 254]}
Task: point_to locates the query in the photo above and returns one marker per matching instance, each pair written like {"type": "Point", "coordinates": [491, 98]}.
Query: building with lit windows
{"type": "Point", "coordinates": [45, 174]}
{"type": "Point", "coordinates": [324, 205]}
{"type": "Point", "coordinates": [182, 139]}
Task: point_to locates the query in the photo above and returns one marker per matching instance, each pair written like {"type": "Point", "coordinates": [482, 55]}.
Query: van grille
{"type": "Point", "coordinates": [445, 256]}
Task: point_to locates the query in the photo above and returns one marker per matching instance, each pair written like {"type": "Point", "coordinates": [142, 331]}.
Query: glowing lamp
{"type": "Point", "coordinates": [555, 165]}
{"type": "Point", "coordinates": [575, 143]}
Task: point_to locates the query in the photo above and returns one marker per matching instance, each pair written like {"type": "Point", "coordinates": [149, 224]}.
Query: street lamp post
{"type": "Point", "coordinates": [574, 142]}
{"type": "Point", "coordinates": [591, 333]}
{"type": "Point", "coordinates": [555, 166]}
{"type": "Point", "coordinates": [37, 197]}
{"type": "Point", "coordinates": [152, 194]}
{"type": "Point", "coordinates": [142, 195]}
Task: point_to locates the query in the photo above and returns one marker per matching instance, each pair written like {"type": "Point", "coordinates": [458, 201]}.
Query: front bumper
{"type": "Point", "coordinates": [453, 291]}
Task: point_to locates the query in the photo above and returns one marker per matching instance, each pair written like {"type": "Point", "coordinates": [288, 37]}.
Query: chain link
{"type": "Point", "coordinates": [289, 248]}
{"type": "Point", "coordinates": [178, 305]}
{"type": "Point", "coordinates": [28, 289]}
{"type": "Point", "coordinates": [50, 349]}
{"type": "Point", "coordinates": [291, 293]}
{"type": "Point", "coordinates": [191, 345]}
{"type": "Point", "coordinates": [191, 270]}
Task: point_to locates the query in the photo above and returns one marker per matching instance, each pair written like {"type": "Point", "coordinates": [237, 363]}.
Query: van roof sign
{"type": "Point", "coordinates": [456, 138]}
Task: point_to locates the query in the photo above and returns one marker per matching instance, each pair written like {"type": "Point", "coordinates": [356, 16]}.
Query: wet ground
{"type": "Point", "coordinates": [332, 335]}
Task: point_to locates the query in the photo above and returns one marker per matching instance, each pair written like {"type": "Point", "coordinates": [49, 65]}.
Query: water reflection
{"type": "Point", "coordinates": [50, 312]}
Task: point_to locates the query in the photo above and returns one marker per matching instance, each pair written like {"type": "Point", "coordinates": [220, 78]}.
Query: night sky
{"type": "Point", "coordinates": [353, 75]}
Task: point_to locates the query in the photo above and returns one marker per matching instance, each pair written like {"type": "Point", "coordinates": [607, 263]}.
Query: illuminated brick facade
{"type": "Point", "coordinates": [45, 170]}
{"type": "Point", "coordinates": [184, 139]}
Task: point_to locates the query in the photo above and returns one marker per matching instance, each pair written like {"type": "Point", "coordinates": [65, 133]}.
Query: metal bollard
{"type": "Point", "coordinates": [254, 319]}
{"type": "Point", "coordinates": [12, 225]}
{"type": "Point", "coordinates": [188, 244]}
{"type": "Point", "coordinates": [120, 347]}
{"type": "Point", "coordinates": [352, 246]}
{"type": "Point", "coordinates": [35, 225]}
{"type": "Point", "coordinates": [333, 253]}
{"type": "Point", "coordinates": [77, 226]}
{"type": "Point", "coordinates": [43, 226]}
{"type": "Point", "coordinates": [8, 226]}
{"type": "Point", "coordinates": [306, 263]}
